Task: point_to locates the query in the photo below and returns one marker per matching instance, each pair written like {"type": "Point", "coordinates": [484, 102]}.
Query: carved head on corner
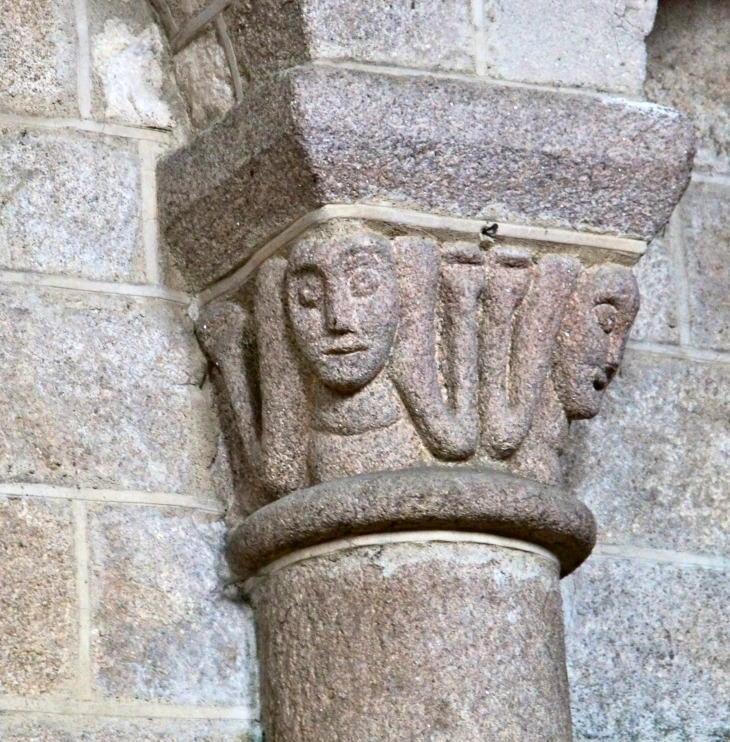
{"type": "Point", "coordinates": [592, 338]}
{"type": "Point", "coordinates": [342, 300]}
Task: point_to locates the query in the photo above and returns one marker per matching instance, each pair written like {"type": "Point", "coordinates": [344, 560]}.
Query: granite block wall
{"type": "Point", "coordinates": [116, 621]}
{"type": "Point", "coordinates": [647, 642]}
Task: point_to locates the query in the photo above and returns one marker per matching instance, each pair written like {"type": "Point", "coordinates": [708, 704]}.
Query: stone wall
{"type": "Point", "coordinates": [114, 620]}
{"type": "Point", "coordinates": [647, 641]}
{"type": "Point", "coordinates": [115, 616]}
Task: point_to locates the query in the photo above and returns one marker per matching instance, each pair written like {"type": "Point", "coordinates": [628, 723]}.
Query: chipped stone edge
{"type": "Point", "coordinates": [406, 537]}
{"type": "Point", "coordinates": [592, 247]}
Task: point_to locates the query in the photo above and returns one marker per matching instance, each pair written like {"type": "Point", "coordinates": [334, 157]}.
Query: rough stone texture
{"type": "Point", "coordinates": [132, 69]}
{"type": "Point", "coordinates": [703, 226]}
{"type": "Point", "coordinates": [647, 652]}
{"type": "Point", "coordinates": [416, 499]}
{"type": "Point", "coordinates": [38, 58]}
{"type": "Point", "coordinates": [268, 35]}
{"type": "Point", "coordinates": [653, 466]}
{"type": "Point", "coordinates": [131, 75]}
{"type": "Point", "coordinates": [591, 44]}
{"type": "Point", "coordinates": [411, 642]}
{"type": "Point", "coordinates": [101, 391]}
{"type": "Point", "coordinates": [180, 10]}
{"type": "Point", "coordinates": [689, 69]}
{"type": "Point", "coordinates": [37, 598]}
{"type": "Point", "coordinates": [70, 206]}
{"type": "Point", "coordinates": [323, 135]}
{"type": "Point", "coordinates": [38, 728]}
{"type": "Point", "coordinates": [162, 627]}
{"type": "Point", "coordinates": [427, 34]}
{"type": "Point", "coordinates": [204, 80]}
{"type": "Point", "coordinates": [657, 321]}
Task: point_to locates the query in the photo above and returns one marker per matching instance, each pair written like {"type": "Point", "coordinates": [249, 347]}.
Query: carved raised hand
{"type": "Point", "coordinates": [450, 430]}
{"type": "Point", "coordinates": [274, 440]}
{"type": "Point", "coordinates": [524, 305]}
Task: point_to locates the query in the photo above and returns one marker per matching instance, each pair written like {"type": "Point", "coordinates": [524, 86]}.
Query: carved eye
{"type": "Point", "coordinates": [606, 316]}
{"type": "Point", "coordinates": [363, 280]}
{"type": "Point", "coordinates": [309, 290]}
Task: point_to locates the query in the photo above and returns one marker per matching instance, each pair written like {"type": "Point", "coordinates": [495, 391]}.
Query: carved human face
{"type": "Point", "coordinates": [592, 338]}
{"type": "Point", "coordinates": [342, 301]}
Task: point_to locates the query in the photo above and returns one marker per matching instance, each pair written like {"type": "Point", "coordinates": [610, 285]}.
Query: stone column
{"type": "Point", "coordinates": [408, 286]}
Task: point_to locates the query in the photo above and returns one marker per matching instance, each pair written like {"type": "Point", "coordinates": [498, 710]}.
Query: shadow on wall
{"type": "Point", "coordinates": [688, 68]}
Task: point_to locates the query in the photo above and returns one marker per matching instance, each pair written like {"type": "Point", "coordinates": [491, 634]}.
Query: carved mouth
{"type": "Point", "coordinates": [345, 351]}
{"type": "Point", "coordinates": [600, 380]}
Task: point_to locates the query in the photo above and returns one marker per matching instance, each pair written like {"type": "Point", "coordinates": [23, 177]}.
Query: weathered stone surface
{"type": "Point", "coordinates": [101, 391]}
{"type": "Point", "coordinates": [597, 45]}
{"type": "Point", "coordinates": [657, 321]}
{"type": "Point", "coordinates": [71, 206]}
{"type": "Point", "coordinates": [131, 75]}
{"type": "Point", "coordinates": [38, 58]}
{"type": "Point", "coordinates": [703, 226]}
{"type": "Point", "coordinates": [180, 11]}
{"type": "Point", "coordinates": [133, 78]}
{"type": "Point", "coordinates": [689, 69]}
{"type": "Point", "coordinates": [653, 466]}
{"type": "Point", "coordinates": [428, 34]}
{"type": "Point", "coordinates": [323, 135]}
{"type": "Point", "coordinates": [648, 651]}
{"type": "Point", "coordinates": [38, 728]}
{"type": "Point", "coordinates": [38, 611]}
{"type": "Point", "coordinates": [204, 80]}
{"type": "Point", "coordinates": [162, 627]}
{"type": "Point", "coordinates": [417, 499]}
{"type": "Point", "coordinates": [442, 642]}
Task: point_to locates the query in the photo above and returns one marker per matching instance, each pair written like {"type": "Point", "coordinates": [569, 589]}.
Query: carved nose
{"type": "Point", "coordinates": [611, 369]}
{"type": "Point", "coordinates": [340, 312]}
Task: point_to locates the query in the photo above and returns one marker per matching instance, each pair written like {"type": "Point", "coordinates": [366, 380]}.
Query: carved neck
{"type": "Point", "coordinates": [376, 405]}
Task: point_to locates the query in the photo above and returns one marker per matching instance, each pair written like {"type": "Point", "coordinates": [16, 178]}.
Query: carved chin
{"type": "Point", "coordinates": [585, 400]}
{"type": "Point", "coordinates": [582, 392]}
{"type": "Point", "coordinates": [350, 372]}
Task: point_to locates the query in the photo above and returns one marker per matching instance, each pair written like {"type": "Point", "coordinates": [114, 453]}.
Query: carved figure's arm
{"type": "Point", "coordinates": [524, 305]}
{"type": "Point", "coordinates": [450, 431]}
{"type": "Point", "coordinates": [276, 454]}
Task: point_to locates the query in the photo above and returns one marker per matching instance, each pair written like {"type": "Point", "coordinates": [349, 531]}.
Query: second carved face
{"type": "Point", "coordinates": [592, 338]}
{"type": "Point", "coordinates": [342, 302]}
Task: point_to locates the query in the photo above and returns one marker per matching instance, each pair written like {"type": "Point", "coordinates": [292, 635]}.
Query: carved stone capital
{"type": "Point", "coordinates": [408, 288]}
{"type": "Point", "coordinates": [363, 347]}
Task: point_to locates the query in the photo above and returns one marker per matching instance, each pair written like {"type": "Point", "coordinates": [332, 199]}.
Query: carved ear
{"type": "Point", "coordinates": [220, 330]}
